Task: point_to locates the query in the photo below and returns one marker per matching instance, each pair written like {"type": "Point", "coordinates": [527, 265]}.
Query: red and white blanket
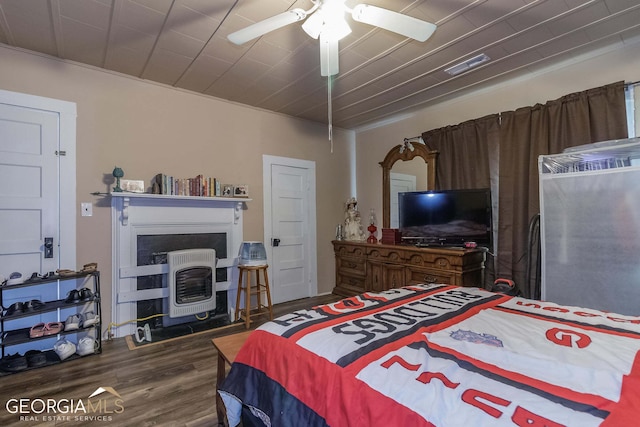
{"type": "Point", "coordinates": [439, 355]}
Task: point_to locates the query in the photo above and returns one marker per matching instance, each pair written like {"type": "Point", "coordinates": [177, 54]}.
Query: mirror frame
{"type": "Point", "coordinates": [420, 150]}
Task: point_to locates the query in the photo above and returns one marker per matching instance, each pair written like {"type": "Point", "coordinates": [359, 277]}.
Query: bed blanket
{"type": "Point", "coordinates": [438, 355]}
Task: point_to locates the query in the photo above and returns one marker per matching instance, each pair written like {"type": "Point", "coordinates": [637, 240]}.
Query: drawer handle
{"type": "Point", "coordinates": [430, 279]}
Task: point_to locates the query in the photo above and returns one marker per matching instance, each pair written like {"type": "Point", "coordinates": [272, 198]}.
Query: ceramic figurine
{"type": "Point", "coordinates": [352, 226]}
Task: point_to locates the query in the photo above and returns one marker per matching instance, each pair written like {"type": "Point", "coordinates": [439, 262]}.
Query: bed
{"type": "Point", "coordinates": [438, 355]}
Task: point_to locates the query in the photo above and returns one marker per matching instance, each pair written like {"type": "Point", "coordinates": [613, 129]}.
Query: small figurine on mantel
{"type": "Point", "coordinates": [117, 174]}
{"type": "Point", "coordinates": [352, 226]}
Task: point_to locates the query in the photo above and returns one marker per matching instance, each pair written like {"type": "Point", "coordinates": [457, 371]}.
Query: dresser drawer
{"type": "Point", "coordinates": [437, 261]}
{"type": "Point", "coordinates": [349, 250]}
{"type": "Point", "coordinates": [416, 275]}
{"type": "Point", "coordinates": [347, 285]}
{"type": "Point", "coordinates": [350, 266]}
{"type": "Point", "coordinates": [384, 254]}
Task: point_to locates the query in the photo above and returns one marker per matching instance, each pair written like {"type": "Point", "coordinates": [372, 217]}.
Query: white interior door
{"type": "Point", "coordinates": [400, 183]}
{"type": "Point", "coordinates": [34, 134]}
{"type": "Point", "coordinates": [290, 227]}
{"type": "Point", "coordinates": [28, 187]}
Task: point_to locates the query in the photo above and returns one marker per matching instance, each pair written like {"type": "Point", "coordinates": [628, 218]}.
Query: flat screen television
{"type": "Point", "coordinates": [446, 218]}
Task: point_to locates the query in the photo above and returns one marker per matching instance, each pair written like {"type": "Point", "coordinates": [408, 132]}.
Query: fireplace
{"type": "Point", "coordinates": [147, 230]}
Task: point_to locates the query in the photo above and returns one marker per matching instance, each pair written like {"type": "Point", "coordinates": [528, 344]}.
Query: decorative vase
{"type": "Point", "coordinates": [117, 173]}
{"type": "Point", "coordinates": [372, 227]}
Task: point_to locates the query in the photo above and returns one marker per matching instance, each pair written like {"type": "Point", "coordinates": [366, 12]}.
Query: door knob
{"type": "Point", "coordinates": [48, 247]}
{"type": "Point", "coordinates": [275, 242]}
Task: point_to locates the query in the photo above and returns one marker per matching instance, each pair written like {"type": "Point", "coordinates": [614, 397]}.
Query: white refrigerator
{"type": "Point", "coordinates": [590, 226]}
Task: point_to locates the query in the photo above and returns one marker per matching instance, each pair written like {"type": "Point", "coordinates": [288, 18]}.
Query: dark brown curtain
{"type": "Point", "coordinates": [464, 153]}
{"type": "Point", "coordinates": [579, 118]}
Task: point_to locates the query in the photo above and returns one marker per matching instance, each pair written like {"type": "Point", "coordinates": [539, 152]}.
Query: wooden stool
{"type": "Point", "coordinates": [257, 290]}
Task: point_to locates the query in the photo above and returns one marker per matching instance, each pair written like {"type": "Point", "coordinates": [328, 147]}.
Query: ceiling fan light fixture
{"type": "Point", "coordinates": [328, 21]}
{"type": "Point", "coordinates": [336, 30]}
{"type": "Point", "coordinates": [313, 25]}
{"type": "Point", "coordinates": [328, 56]}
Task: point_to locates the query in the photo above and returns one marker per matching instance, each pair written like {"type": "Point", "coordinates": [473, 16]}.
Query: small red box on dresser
{"type": "Point", "coordinates": [391, 236]}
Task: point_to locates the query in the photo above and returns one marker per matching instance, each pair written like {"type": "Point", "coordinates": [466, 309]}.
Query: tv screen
{"type": "Point", "coordinates": [449, 218]}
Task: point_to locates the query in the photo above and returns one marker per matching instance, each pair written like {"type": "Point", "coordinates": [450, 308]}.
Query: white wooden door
{"type": "Point", "coordinates": [32, 132]}
{"type": "Point", "coordinates": [290, 234]}
{"type": "Point", "coordinates": [400, 183]}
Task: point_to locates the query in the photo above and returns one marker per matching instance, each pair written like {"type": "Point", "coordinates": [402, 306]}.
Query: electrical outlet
{"type": "Point", "coordinates": [87, 209]}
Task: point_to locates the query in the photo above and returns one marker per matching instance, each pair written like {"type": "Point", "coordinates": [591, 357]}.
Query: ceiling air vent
{"type": "Point", "coordinates": [467, 65]}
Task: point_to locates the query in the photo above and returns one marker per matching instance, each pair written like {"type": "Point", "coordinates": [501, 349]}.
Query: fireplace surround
{"type": "Point", "coordinates": [139, 224]}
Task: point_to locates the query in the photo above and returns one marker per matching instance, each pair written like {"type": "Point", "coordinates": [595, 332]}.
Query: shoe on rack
{"type": "Point", "coordinates": [72, 323]}
{"type": "Point", "coordinates": [13, 363]}
{"type": "Point", "coordinates": [37, 330]}
{"type": "Point", "coordinates": [73, 296]}
{"type": "Point", "coordinates": [53, 328]}
{"type": "Point", "coordinates": [35, 358]}
{"type": "Point", "coordinates": [35, 277]}
{"type": "Point", "coordinates": [64, 348]}
{"type": "Point", "coordinates": [87, 345]}
{"type": "Point", "coordinates": [89, 268]}
{"type": "Point", "coordinates": [16, 307]}
{"type": "Point", "coordinates": [34, 304]}
{"type": "Point", "coordinates": [65, 272]}
{"type": "Point", "coordinates": [89, 319]}
{"type": "Point", "coordinates": [50, 276]}
{"type": "Point", "coordinates": [86, 294]}
{"type": "Point", "coordinates": [15, 279]}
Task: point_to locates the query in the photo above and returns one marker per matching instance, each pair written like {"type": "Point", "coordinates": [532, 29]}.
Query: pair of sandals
{"type": "Point", "coordinates": [45, 329]}
{"type": "Point", "coordinates": [87, 268]}
{"type": "Point", "coordinates": [24, 307]}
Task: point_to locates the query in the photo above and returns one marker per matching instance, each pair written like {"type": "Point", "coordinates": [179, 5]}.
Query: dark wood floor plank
{"type": "Point", "coordinates": [170, 383]}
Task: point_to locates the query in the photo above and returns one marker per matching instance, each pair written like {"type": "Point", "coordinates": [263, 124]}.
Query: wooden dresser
{"type": "Point", "coordinates": [362, 267]}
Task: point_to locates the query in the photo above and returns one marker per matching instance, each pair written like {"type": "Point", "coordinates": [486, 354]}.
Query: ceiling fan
{"type": "Point", "coordinates": [326, 21]}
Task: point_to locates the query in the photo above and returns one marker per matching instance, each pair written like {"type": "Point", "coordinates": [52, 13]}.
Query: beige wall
{"type": "Point", "coordinates": [610, 64]}
{"type": "Point", "coordinates": [147, 128]}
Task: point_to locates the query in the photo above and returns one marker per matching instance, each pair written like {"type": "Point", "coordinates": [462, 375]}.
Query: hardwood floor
{"type": "Point", "coordinates": [170, 383]}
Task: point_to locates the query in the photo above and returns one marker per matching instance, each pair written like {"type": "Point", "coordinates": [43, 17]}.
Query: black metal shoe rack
{"type": "Point", "coordinates": [12, 337]}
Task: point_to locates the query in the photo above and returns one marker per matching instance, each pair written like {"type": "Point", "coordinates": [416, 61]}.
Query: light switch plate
{"type": "Point", "coordinates": [87, 209]}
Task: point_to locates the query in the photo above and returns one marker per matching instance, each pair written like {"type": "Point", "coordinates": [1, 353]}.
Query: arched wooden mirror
{"type": "Point", "coordinates": [405, 170]}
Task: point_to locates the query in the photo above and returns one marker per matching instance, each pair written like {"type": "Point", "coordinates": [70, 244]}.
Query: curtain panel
{"type": "Point", "coordinates": [579, 118]}
{"type": "Point", "coordinates": [501, 151]}
{"type": "Point", "coordinates": [464, 152]}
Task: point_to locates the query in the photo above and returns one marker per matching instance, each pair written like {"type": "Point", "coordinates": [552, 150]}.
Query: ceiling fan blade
{"type": "Point", "coordinates": [405, 25]}
{"type": "Point", "coordinates": [265, 26]}
{"type": "Point", "coordinates": [328, 56]}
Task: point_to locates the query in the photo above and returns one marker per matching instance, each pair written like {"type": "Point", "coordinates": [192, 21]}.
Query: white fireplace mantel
{"type": "Point", "coordinates": [237, 203]}
{"type": "Point", "coordinates": [135, 214]}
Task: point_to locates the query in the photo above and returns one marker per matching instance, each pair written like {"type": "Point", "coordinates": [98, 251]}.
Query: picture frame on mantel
{"type": "Point", "coordinates": [241, 191]}
{"type": "Point", "coordinates": [227, 190]}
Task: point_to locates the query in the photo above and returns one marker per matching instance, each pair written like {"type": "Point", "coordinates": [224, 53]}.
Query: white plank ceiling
{"type": "Point", "coordinates": [182, 43]}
